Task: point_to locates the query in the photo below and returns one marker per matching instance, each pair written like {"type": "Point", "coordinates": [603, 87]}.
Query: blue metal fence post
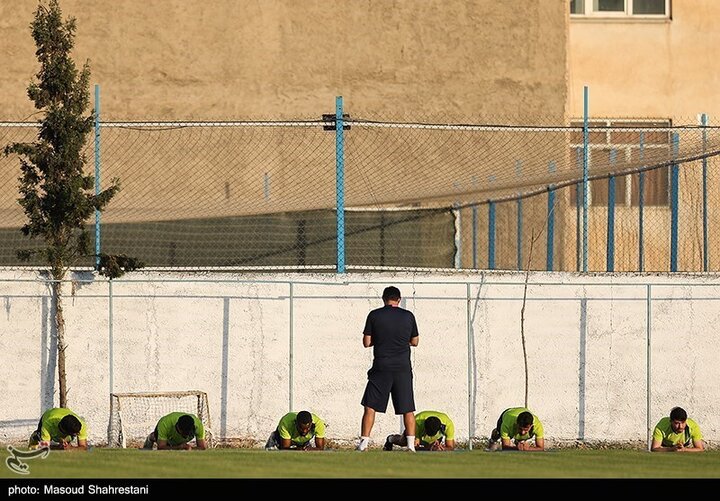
{"type": "Point", "coordinates": [586, 184]}
{"type": "Point", "coordinates": [491, 235]}
{"type": "Point", "coordinates": [340, 183]}
{"type": "Point", "coordinates": [97, 175]}
{"type": "Point", "coordinates": [578, 198]}
{"type": "Point", "coordinates": [550, 229]}
{"type": "Point", "coordinates": [706, 256]}
{"type": "Point", "coordinates": [519, 234]}
{"type": "Point", "coordinates": [641, 208]}
{"type": "Point", "coordinates": [674, 193]}
{"type": "Point", "coordinates": [457, 212]}
{"type": "Point", "coordinates": [518, 174]}
{"type": "Point", "coordinates": [474, 235]}
{"type": "Point", "coordinates": [610, 251]}
{"type": "Point", "coordinates": [610, 256]}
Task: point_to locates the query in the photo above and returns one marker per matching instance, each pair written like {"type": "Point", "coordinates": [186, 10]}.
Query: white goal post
{"type": "Point", "coordinates": [134, 415]}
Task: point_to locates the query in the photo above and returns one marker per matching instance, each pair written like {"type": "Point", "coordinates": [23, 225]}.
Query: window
{"type": "Point", "coordinates": [620, 8]}
{"type": "Point", "coordinates": [623, 141]}
{"type": "Point", "coordinates": [608, 5]}
{"type": "Point", "coordinates": [577, 6]}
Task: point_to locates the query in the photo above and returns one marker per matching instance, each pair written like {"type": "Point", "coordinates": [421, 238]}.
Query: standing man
{"type": "Point", "coordinates": [391, 331]}
{"type": "Point", "coordinates": [677, 433]}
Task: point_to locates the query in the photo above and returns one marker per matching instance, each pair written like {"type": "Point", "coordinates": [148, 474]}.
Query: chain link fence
{"type": "Point", "coordinates": [415, 194]}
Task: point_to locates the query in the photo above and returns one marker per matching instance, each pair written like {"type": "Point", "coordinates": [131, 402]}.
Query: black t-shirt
{"type": "Point", "coordinates": [391, 329]}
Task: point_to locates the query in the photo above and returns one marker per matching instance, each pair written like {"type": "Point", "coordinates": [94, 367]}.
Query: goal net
{"type": "Point", "coordinates": [134, 415]}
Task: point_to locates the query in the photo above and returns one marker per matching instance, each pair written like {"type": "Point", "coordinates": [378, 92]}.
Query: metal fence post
{"type": "Point", "coordinates": [674, 208]}
{"type": "Point", "coordinates": [706, 257]}
{"type": "Point", "coordinates": [550, 229]}
{"type": "Point", "coordinates": [519, 234]}
{"type": "Point", "coordinates": [648, 368]}
{"type": "Point", "coordinates": [97, 175]}
{"type": "Point", "coordinates": [586, 183]}
{"type": "Point", "coordinates": [641, 208]}
{"type": "Point", "coordinates": [610, 254]}
{"type": "Point", "coordinates": [491, 235]}
{"type": "Point", "coordinates": [340, 183]}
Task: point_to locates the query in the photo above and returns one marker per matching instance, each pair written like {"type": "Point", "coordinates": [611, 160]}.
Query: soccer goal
{"type": "Point", "coordinates": [134, 415]}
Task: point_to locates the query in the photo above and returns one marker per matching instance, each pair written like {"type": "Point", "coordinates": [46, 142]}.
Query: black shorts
{"type": "Point", "coordinates": [500, 420]}
{"type": "Point", "coordinates": [382, 384]}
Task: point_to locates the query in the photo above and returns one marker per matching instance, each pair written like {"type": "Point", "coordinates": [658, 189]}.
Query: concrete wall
{"type": "Point", "coordinates": [229, 59]}
{"type": "Point", "coordinates": [231, 336]}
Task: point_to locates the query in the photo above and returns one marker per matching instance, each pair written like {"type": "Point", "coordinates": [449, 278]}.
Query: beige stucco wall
{"type": "Point", "coordinates": [665, 69]}
{"type": "Point", "coordinates": [432, 60]}
{"type": "Point", "coordinates": [227, 59]}
{"type": "Point", "coordinates": [259, 346]}
{"type": "Point", "coordinates": [647, 68]}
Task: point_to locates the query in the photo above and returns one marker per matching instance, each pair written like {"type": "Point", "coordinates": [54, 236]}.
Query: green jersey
{"type": "Point", "coordinates": [664, 432]}
{"type": "Point", "coordinates": [165, 429]}
{"type": "Point", "coordinates": [50, 430]}
{"type": "Point", "coordinates": [447, 428]}
{"type": "Point", "coordinates": [509, 427]}
{"type": "Point", "coordinates": [288, 429]}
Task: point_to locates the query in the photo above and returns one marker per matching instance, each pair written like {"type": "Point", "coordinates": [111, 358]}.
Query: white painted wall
{"type": "Point", "coordinates": [209, 331]}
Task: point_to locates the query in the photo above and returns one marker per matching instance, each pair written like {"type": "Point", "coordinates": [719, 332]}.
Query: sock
{"type": "Point", "coordinates": [411, 442]}
{"type": "Point", "coordinates": [364, 441]}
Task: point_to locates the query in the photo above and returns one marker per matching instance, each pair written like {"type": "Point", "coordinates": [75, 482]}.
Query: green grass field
{"type": "Point", "coordinates": [254, 463]}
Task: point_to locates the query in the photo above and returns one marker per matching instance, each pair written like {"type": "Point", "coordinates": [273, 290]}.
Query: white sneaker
{"type": "Point", "coordinates": [361, 446]}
